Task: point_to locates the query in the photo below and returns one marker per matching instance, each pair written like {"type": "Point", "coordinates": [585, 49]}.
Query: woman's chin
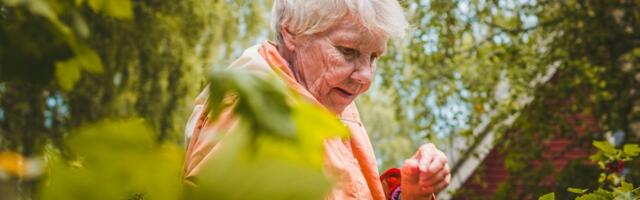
{"type": "Point", "coordinates": [336, 110]}
{"type": "Point", "coordinates": [336, 102]}
{"type": "Point", "coordinates": [335, 107]}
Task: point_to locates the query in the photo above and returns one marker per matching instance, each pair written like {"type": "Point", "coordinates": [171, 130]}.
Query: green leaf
{"type": "Point", "coordinates": [577, 190]}
{"type": "Point", "coordinates": [121, 9]}
{"type": "Point", "coordinates": [81, 26]}
{"type": "Point", "coordinates": [13, 2]}
{"type": "Point", "coordinates": [591, 197]}
{"type": "Point", "coordinates": [599, 194]}
{"type": "Point", "coordinates": [631, 149]}
{"type": "Point", "coordinates": [67, 73]}
{"type": "Point", "coordinates": [42, 8]}
{"type": "Point", "coordinates": [89, 60]}
{"type": "Point", "coordinates": [269, 173]}
{"type": "Point", "coordinates": [597, 157]}
{"type": "Point", "coordinates": [313, 120]}
{"type": "Point", "coordinates": [602, 177]}
{"type": "Point", "coordinates": [255, 156]}
{"type": "Point", "coordinates": [604, 146]}
{"type": "Point", "coordinates": [549, 196]}
{"type": "Point", "coordinates": [314, 125]}
{"type": "Point", "coordinates": [606, 194]}
{"type": "Point", "coordinates": [260, 99]}
{"type": "Point", "coordinates": [95, 5]}
{"type": "Point", "coordinates": [613, 178]}
{"type": "Point", "coordinates": [115, 160]}
{"type": "Point", "coordinates": [625, 186]}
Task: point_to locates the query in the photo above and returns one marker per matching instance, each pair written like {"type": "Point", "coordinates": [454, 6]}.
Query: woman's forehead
{"type": "Point", "coordinates": [355, 35]}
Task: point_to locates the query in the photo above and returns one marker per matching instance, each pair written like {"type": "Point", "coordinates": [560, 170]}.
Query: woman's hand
{"type": "Point", "coordinates": [424, 174]}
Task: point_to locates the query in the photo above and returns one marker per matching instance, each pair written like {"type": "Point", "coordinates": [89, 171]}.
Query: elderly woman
{"type": "Point", "coordinates": [326, 50]}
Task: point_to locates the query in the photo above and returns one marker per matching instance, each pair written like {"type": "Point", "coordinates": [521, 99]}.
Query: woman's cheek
{"type": "Point", "coordinates": [339, 70]}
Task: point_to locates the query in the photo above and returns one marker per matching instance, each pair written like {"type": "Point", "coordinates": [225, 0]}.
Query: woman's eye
{"type": "Point", "coordinates": [348, 52]}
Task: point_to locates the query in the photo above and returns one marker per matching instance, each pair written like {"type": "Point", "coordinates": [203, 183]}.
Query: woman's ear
{"type": "Point", "coordinates": [288, 38]}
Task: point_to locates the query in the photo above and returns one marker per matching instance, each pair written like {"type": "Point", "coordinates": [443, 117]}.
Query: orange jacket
{"type": "Point", "coordinates": [350, 161]}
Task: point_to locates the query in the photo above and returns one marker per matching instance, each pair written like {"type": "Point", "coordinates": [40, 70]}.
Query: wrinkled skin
{"type": "Point", "coordinates": [424, 174]}
{"type": "Point", "coordinates": [336, 66]}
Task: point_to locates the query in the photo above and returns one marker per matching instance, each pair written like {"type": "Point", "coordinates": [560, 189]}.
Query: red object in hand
{"type": "Point", "coordinates": [390, 181]}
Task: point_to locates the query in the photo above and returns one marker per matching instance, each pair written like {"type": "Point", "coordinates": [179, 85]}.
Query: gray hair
{"type": "Point", "coordinates": [313, 16]}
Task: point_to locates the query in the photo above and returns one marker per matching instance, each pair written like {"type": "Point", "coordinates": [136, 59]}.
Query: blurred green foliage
{"type": "Point", "coordinates": [530, 71]}
{"type": "Point", "coordinates": [65, 63]}
{"type": "Point", "coordinates": [257, 162]}
{"type": "Point", "coordinates": [611, 185]}
{"type": "Point", "coordinates": [114, 159]}
{"type": "Point", "coordinates": [67, 66]}
{"type": "Point", "coordinates": [119, 159]}
{"type": "Point", "coordinates": [264, 109]}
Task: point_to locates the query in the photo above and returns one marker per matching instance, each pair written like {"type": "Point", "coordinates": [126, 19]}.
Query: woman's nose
{"type": "Point", "coordinates": [363, 73]}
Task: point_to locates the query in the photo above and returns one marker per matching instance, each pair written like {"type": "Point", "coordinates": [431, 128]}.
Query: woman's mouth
{"type": "Point", "coordinates": [344, 93]}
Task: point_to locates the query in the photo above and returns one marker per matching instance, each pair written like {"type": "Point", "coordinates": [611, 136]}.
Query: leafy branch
{"type": "Point", "coordinates": [612, 186]}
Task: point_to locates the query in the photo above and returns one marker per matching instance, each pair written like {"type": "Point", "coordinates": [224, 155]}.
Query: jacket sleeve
{"type": "Point", "coordinates": [203, 136]}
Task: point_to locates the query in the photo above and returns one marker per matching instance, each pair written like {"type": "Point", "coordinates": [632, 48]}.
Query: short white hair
{"type": "Point", "coordinates": [307, 17]}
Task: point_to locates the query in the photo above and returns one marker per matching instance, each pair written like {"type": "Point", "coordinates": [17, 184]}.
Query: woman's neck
{"type": "Point", "coordinates": [289, 57]}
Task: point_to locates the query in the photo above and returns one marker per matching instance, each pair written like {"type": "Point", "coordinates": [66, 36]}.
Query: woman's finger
{"type": "Point", "coordinates": [436, 187]}
{"type": "Point", "coordinates": [410, 172]}
{"type": "Point", "coordinates": [425, 155]}
{"type": "Point", "coordinates": [439, 163]}
{"type": "Point", "coordinates": [438, 177]}
{"type": "Point", "coordinates": [436, 165]}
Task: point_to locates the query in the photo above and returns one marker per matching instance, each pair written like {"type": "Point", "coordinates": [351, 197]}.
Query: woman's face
{"type": "Point", "coordinates": [338, 64]}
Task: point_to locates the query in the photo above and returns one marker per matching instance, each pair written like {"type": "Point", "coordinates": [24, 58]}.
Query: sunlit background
{"type": "Point", "coordinates": [514, 91]}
